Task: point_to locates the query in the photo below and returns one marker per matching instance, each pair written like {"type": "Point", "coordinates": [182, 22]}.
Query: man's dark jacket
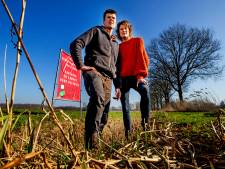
{"type": "Point", "coordinates": [101, 52]}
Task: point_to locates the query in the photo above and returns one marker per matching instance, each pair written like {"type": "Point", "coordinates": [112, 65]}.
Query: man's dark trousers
{"type": "Point", "coordinates": [98, 88]}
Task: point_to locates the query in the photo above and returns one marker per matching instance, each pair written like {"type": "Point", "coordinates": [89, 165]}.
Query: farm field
{"type": "Point", "coordinates": [173, 139]}
{"type": "Point", "coordinates": [194, 119]}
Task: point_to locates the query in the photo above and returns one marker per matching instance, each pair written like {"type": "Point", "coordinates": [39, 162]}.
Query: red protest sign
{"type": "Point", "coordinates": [68, 79]}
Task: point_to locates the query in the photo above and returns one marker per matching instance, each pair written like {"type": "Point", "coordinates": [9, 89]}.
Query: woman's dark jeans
{"type": "Point", "coordinates": [98, 88]}
{"type": "Point", "coordinates": [143, 89]}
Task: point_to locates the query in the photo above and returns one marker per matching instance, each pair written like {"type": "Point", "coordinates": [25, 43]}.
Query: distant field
{"type": "Point", "coordinates": [181, 118]}
{"type": "Point", "coordinates": [196, 120]}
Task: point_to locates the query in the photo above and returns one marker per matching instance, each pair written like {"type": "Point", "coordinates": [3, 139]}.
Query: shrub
{"type": "Point", "coordinates": [191, 106]}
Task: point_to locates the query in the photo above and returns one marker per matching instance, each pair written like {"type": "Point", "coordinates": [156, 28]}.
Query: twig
{"type": "Point", "coordinates": [15, 74]}
{"type": "Point", "coordinates": [222, 111]}
{"type": "Point", "coordinates": [45, 160]}
{"type": "Point", "coordinates": [6, 98]}
{"type": "Point", "coordinates": [152, 131]}
{"type": "Point", "coordinates": [187, 166]}
{"type": "Point", "coordinates": [163, 157]}
{"type": "Point", "coordinates": [153, 124]}
{"type": "Point", "coordinates": [53, 115]}
{"type": "Point", "coordinates": [113, 149]}
{"type": "Point", "coordinates": [18, 161]}
{"type": "Point", "coordinates": [29, 125]}
{"type": "Point", "coordinates": [1, 114]}
{"type": "Point", "coordinates": [103, 163]}
{"type": "Point", "coordinates": [153, 166]}
{"type": "Point", "coordinates": [145, 159]}
{"type": "Point", "coordinates": [7, 148]}
{"type": "Point", "coordinates": [64, 114]}
{"type": "Point", "coordinates": [38, 130]}
{"type": "Point", "coordinates": [214, 129]}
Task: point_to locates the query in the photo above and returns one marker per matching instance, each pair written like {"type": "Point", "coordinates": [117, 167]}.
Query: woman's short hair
{"type": "Point", "coordinates": [127, 24]}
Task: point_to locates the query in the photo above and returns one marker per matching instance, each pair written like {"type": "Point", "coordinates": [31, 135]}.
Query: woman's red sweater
{"type": "Point", "coordinates": [133, 58]}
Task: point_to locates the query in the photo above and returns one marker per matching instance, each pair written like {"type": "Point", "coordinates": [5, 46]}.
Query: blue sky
{"type": "Point", "coordinates": [51, 25]}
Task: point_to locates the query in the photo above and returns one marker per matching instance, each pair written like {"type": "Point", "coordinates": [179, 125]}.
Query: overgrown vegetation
{"type": "Point", "coordinates": [41, 140]}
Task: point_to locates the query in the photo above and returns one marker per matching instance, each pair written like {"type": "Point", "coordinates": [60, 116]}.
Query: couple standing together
{"type": "Point", "coordinates": [105, 61]}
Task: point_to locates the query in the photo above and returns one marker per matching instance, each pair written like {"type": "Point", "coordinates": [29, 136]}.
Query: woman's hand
{"type": "Point", "coordinates": [117, 94]}
{"type": "Point", "coordinates": [142, 80]}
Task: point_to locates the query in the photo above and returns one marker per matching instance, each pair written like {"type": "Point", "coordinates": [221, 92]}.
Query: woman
{"type": "Point", "coordinates": [133, 69]}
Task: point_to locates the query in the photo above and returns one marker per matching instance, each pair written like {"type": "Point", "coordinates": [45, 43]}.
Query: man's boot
{"type": "Point", "coordinates": [128, 135]}
{"type": "Point", "coordinates": [101, 127]}
{"type": "Point", "coordinates": [94, 141]}
{"type": "Point", "coordinates": [87, 140]}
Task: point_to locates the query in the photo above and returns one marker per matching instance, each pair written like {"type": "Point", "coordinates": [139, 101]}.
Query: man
{"type": "Point", "coordinates": [133, 64]}
{"type": "Point", "coordinates": [98, 70]}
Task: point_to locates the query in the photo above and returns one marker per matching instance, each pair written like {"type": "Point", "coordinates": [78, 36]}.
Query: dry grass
{"type": "Point", "coordinates": [161, 146]}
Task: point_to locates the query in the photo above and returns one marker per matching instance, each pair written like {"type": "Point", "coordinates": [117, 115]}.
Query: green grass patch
{"type": "Point", "coordinates": [119, 114]}
{"type": "Point", "coordinates": [194, 118]}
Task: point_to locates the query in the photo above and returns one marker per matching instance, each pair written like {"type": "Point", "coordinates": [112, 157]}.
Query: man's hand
{"type": "Point", "coordinates": [86, 68]}
{"type": "Point", "coordinates": [142, 80]}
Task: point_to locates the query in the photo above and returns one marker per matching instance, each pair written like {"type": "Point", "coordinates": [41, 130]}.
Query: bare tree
{"type": "Point", "coordinates": [160, 88]}
{"type": "Point", "coordinates": [156, 95]}
{"type": "Point", "coordinates": [182, 54]}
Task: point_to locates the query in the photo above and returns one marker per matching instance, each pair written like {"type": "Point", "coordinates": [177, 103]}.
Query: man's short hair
{"type": "Point", "coordinates": [111, 11]}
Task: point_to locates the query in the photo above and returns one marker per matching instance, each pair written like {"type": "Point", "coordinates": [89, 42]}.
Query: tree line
{"type": "Point", "coordinates": [180, 55]}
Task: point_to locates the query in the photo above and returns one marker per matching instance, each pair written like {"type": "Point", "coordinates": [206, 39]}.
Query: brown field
{"type": "Point", "coordinates": [164, 144]}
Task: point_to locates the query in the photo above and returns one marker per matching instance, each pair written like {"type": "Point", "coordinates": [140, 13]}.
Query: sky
{"type": "Point", "coordinates": [52, 25]}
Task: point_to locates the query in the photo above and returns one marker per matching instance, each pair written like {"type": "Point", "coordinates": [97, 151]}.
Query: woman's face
{"type": "Point", "coordinates": [124, 32]}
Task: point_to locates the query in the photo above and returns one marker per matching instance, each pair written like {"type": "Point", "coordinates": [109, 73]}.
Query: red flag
{"type": "Point", "coordinates": [68, 79]}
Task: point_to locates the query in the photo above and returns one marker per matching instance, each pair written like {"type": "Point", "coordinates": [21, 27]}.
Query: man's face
{"type": "Point", "coordinates": [110, 20]}
{"type": "Point", "coordinates": [124, 32]}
